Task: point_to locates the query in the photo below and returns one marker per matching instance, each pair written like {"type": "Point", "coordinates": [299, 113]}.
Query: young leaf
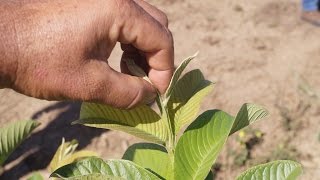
{"type": "Point", "coordinates": [141, 121]}
{"type": "Point", "coordinates": [248, 114]}
{"type": "Point", "coordinates": [276, 170]}
{"type": "Point", "coordinates": [199, 146]}
{"type": "Point", "coordinates": [65, 149]}
{"type": "Point", "coordinates": [90, 167]}
{"type": "Point", "coordinates": [150, 156]}
{"type": "Point", "coordinates": [66, 154]}
{"type": "Point", "coordinates": [136, 70]}
{"type": "Point", "coordinates": [177, 75]}
{"type": "Point", "coordinates": [186, 98]}
{"type": "Point", "coordinates": [35, 176]}
{"type": "Point", "coordinates": [12, 135]}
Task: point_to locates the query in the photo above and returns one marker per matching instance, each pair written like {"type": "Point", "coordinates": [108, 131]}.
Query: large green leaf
{"type": "Point", "coordinates": [95, 177]}
{"type": "Point", "coordinates": [12, 135]}
{"type": "Point", "coordinates": [150, 156]}
{"type": "Point", "coordinates": [186, 98]}
{"type": "Point", "coordinates": [66, 154]}
{"type": "Point", "coordinates": [113, 168]}
{"type": "Point", "coordinates": [248, 114]}
{"type": "Point", "coordinates": [199, 146]}
{"type": "Point", "coordinates": [141, 121]}
{"type": "Point", "coordinates": [177, 74]}
{"type": "Point", "coordinates": [276, 170]}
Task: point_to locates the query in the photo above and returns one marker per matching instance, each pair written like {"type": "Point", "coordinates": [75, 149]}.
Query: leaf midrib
{"type": "Point", "coordinates": [206, 156]}
{"type": "Point", "coordinates": [80, 121]}
{"type": "Point", "coordinates": [178, 117]}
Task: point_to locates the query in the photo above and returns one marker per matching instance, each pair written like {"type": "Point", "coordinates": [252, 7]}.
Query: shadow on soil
{"type": "Point", "coordinates": [40, 147]}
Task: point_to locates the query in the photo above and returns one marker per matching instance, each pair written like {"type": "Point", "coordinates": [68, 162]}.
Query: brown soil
{"type": "Point", "coordinates": [255, 51]}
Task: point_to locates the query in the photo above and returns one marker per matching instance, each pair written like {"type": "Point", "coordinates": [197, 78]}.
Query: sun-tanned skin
{"type": "Point", "coordinates": [58, 49]}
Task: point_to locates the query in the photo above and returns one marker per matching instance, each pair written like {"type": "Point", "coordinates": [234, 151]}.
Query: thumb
{"type": "Point", "coordinates": [142, 31]}
{"type": "Point", "coordinates": [99, 83]}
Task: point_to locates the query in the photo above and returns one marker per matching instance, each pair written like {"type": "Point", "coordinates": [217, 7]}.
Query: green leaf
{"type": "Point", "coordinates": [210, 176]}
{"type": "Point", "coordinates": [276, 170]}
{"type": "Point", "coordinates": [64, 150]}
{"type": "Point", "coordinates": [186, 98]}
{"type": "Point", "coordinates": [149, 156]}
{"type": "Point", "coordinates": [12, 135]}
{"type": "Point", "coordinates": [95, 177]}
{"type": "Point", "coordinates": [66, 154]}
{"type": "Point", "coordinates": [141, 121]}
{"type": "Point", "coordinates": [199, 146]}
{"type": "Point", "coordinates": [177, 75]}
{"type": "Point", "coordinates": [248, 114]}
{"type": "Point", "coordinates": [35, 176]}
{"type": "Point", "coordinates": [113, 168]}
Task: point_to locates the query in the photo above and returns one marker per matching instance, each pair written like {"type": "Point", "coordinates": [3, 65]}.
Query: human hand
{"type": "Point", "coordinates": [60, 50]}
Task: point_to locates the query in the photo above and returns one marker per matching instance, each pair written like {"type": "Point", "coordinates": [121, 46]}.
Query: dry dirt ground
{"type": "Point", "coordinates": [256, 51]}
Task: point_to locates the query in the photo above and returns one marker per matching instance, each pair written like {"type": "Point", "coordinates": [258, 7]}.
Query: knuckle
{"type": "Point", "coordinates": [121, 2]}
{"type": "Point", "coordinates": [170, 36]}
{"type": "Point", "coordinates": [163, 18]}
{"type": "Point", "coordinates": [169, 40]}
{"type": "Point", "coordinates": [121, 7]}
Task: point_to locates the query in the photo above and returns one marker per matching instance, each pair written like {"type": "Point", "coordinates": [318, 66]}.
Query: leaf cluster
{"type": "Point", "coordinates": [166, 155]}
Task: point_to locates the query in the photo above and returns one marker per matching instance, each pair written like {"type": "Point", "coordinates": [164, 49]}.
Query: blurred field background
{"type": "Point", "coordinates": [256, 51]}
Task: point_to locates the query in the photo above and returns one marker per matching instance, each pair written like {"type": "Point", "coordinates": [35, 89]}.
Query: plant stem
{"type": "Point", "coordinates": [171, 159]}
{"type": "Point", "coordinates": [170, 145]}
{"type": "Point", "coordinates": [171, 140]}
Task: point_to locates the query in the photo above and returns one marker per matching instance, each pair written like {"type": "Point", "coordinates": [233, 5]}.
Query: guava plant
{"type": "Point", "coordinates": [11, 136]}
{"type": "Point", "coordinates": [66, 154]}
{"type": "Point", "coordinates": [171, 153]}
